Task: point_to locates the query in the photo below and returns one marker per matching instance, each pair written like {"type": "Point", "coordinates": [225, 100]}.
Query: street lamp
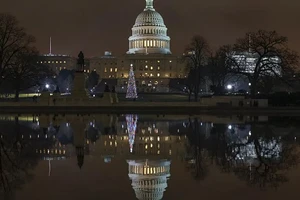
{"type": "Point", "coordinates": [229, 87]}
{"type": "Point", "coordinates": [47, 86]}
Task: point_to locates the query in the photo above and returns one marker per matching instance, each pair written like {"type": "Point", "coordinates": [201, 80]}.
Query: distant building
{"type": "Point", "coordinates": [58, 62]}
{"type": "Point", "coordinates": [247, 62]}
{"type": "Point", "coordinates": [149, 178]}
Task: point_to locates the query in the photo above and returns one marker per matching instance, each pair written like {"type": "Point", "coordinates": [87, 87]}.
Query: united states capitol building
{"type": "Point", "coordinates": [149, 54]}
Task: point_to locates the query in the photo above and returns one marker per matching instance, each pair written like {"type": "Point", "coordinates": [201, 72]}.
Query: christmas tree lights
{"type": "Point", "coordinates": [131, 87]}
{"type": "Point", "coordinates": [131, 121]}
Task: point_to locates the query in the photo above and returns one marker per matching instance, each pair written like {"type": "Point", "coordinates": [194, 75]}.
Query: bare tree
{"type": "Point", "coordinates": [218, 71]}
{"type": "Point", "coordinates": [196, 158]}
{"type": "Point", "coordinates": [13, 39]}
{"type": "Point", "coordinates": [25, 72]}
{"type": "Point", "coordinates": [196, 55]}
{"type": "Point", "coordinates": [261, 54]}
{"type": "Point", "coordinates": [190, 82]}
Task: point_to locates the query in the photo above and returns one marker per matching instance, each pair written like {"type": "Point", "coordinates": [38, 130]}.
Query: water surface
{"type": "Point", "coordinates": [148, 157]}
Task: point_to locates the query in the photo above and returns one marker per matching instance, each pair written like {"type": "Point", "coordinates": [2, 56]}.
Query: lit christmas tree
{"type": "Point", "coordinates": [131, 87]}
{"type": "Point", "coordinates": [131, 121]}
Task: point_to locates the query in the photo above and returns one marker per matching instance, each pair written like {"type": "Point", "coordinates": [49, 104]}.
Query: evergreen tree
{"type": "Point", "coordinates": [131, 87]}
{"type": "Point", "coordinates": [131, 121]}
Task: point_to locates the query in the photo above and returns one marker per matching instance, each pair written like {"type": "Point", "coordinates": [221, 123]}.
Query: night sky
{"type": "Point", "coordinates": [97, 25]}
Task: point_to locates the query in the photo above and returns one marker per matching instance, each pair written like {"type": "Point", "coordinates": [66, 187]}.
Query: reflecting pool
{"type": "Point", "coordinates": [149, 157]}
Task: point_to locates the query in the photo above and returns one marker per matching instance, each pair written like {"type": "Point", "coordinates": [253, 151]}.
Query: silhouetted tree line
{"type": "Point", "coordinates": [19, 66]}
{"type": "Point", "coordinates": [273, 63]}
{"type": "Point", "coordinates": [17, 157]}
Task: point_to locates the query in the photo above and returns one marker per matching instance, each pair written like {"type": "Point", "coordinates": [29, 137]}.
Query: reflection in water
{"type": "Point", "coordinates": [17, 158]}
{"type": "Point", "coordinates": [131, 121]}
{"type": "Point", "coordinates": [254, 154]}
{"type": "Point", "coordinates": [149, 178]}
{"type": "Point", "coordinates": [259, 154]}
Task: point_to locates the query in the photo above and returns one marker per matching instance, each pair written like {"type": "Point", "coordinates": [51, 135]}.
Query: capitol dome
{"type": "Point", "coordinates": [149, 178]}
{"type": "Point", "coordinates": [149, 33]}
{"type": "Point", "coordinates": [149, 18]}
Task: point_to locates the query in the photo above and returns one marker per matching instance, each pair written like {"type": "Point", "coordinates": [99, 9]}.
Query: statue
{"type": "Point", "coordinates": [80, 61]}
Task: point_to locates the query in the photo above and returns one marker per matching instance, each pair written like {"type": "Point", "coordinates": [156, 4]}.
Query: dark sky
{"type": "Point", "coordinates": [97, 25]}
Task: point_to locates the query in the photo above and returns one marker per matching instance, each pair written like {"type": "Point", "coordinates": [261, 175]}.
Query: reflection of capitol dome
{"type": "Point", "coordinates": [149, 178]}
{"type": "Point", "coordinates": [149, 33]}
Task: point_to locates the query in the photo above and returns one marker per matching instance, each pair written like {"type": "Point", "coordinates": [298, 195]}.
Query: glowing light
{"type": "Point", "coordinates": [229, 87]}
{"type": "Point", "coordinates": [131, 87]}
{"type": "Point", "coordinates": [131, 121]}
{"type": "Point", "coordinates": [229, 127]}
{"type": "Point", "coordinates": [47, 86]}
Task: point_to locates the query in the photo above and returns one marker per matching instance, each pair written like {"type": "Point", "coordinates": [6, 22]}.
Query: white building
{"type": "Point", "coordinates": [247, 62]}
{"type": "Point", "coordinates": [149, 33]}
{"type": "Point", "coordinates": [149, 53]}
{"type": "Point", "coordinates": [149, 178]}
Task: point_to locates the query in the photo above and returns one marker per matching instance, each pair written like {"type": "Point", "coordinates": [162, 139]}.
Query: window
{"type": "Point", "coordinates": [158, 68]}
{"type": "Point", "coordinates": [146, 66]}
{"type": "Point", "coordinates": [60, 62]}
{"type": "Point", "coordinates": [65, 62]}
{"type": "Point", "coordinates": [116, 69]}
{"type": "Point", "coordinates": [158, 61]}
{"type": "Point", "coordinates": [151, 68]}
{"type": "Point", "coordinates": [158, 74]}
{"type": "Point", "coordinates": [111, 69]}
{"type": "Point", "coordinates": [170, 61]}
{"type": "Point", "coordinates": [56, 62]}
{"type": "Point", "coordinates": [48, 61]}
{"type": "Point", "coordinates": [105, 70]}
{"type": "Point", "coordinates": [151, 75]}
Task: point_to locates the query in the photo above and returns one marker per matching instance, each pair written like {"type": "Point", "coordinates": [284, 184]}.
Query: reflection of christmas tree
{"type": "Point", "coordinates": [131, 128]}
{"type": "Point", "coordinates": [131, 87]}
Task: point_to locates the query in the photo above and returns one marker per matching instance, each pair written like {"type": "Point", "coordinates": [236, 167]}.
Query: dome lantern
{"type": "Point", "coordinates": [149, 5]}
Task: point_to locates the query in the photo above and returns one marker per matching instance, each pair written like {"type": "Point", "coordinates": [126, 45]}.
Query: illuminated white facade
{"type": "Point", "coordinates": [149, 33]}
{"type": "Point", "coordinates": [247, 62]}
{"type": "Point", "coordinates": [149, 178]}
{"type": "Point", "coordinates": [58, 62]}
